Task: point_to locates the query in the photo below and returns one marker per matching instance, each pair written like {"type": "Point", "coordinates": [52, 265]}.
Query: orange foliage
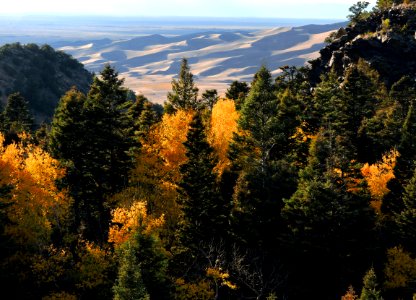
{"type": "Point", "coordinates": [221, 277]}
{"type": "Point", "coordinates": [37, 204]}
{"type": "Point", "coordinates": [223, 124]}
{"type": "Point", "coordinates": [378, 175]}
{"type": "Point", "coordinates": [128, 221]}
{"type": "Point", "coordinates": [350, 295]}
{"type": "Point", "coordinates": [166, 141]}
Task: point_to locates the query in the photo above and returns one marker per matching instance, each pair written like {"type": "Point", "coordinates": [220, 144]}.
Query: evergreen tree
{"type": "Point", "coordinates": [358, 11]}
{"type": "Point", "coordinates": [205, 213]}
{"type": "Point", "coordinates": [406, 219]}
{"type": "Point", "coordinates": [152, 259]}
{"type": "Point", "coordinates": [369, 291]}
{"type": "Point", "coordinates": [263, 176]}
{"type": "Point", "coordinates": [329, 225]}
{"type": "Point", "coordinates": [404, 167]}
{"type": "Point", "coordinates": [184, 92]}
{"type": "Point", "coordinates": [238, 92]}
{"type": "Point", "coordinates": [143, 116]}
{"type": "Point", "coordinates": [209, 98]}
{"type": "Point", "coordinates": [17, 117]}
{"type": "Point", "coordinates": [129, 284]}
{"type": "Point", "coordinates": [92, 136]}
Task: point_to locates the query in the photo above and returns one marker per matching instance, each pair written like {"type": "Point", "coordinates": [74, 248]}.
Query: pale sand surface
{"type": "Point", "coordinates": [156, 87]}
{"type": "Point", "coordinates": [216, 59]}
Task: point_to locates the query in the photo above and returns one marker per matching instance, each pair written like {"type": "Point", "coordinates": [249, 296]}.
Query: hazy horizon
{"type": "Point", "coordinates": [300, 9]}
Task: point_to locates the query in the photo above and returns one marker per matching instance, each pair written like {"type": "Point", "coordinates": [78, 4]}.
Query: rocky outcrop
{"type": "Point", "coordinates": [386, 40]}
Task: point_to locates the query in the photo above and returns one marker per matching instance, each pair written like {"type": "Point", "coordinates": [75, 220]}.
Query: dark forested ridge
{"type": "Point", "coordinates": [41, 74]}
{"type": "Point", "coordinates": [300, 186]}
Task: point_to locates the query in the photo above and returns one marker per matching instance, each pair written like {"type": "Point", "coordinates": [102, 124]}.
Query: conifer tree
{"type": "Point", "coordinates": [405, 165]}
{"type": "Point", "coordinates": [237, 91]}
{"type": "Point", "coordinates": [17, 117]}
{"type": "Point", "coordinates": [406, 219]}
{"type": "Point", "coordinates": [92, 136]}
{"type": "Point", "coordinates": [370, 291]}
{"type": "Point", "coordinates": [205, 213]}
{"type": "Point", "coordinates": [263, 176]}
{"type": "Point", "coordinates": [129, 284]}
{"type": "Point", "coordinates": [143, 116]}
{"type": "Point", "coordinates": [325, 217]}
{"type": "Point", "coordinates": [184, 92]}
{"type": "Point", "coordinates": [209, 98]}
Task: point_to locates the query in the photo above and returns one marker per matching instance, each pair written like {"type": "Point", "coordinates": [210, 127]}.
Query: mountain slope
{"type": "Point", "coordinates": [41, 74]}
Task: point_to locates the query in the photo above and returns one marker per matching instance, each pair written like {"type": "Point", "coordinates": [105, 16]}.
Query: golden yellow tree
{"type": "Point", "coordinates": [126, 221]}
{"type": "Point", "coordinates": [37, 205]}
{"type": "Point", "coordinates": [166, 141]}
{"type": "Point", "coordinates": [378, 175]}
{"type": "Point", "coordinates": [223, 124]}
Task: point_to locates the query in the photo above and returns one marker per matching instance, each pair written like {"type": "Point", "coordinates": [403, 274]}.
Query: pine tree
{"type": "Point", "coordinates": [405, 165]}
{"type": "Point", "coordinates": [92, 136]}
{"type": "Point", "coordinates": [369, 291]}
{"type": "Point", "coordinates": [184, 92]}
{"type": "Point", "coordinates": [143, 116]}
{"type": "Point", "coordinates": [209, 98]}
{"type": "Point", "coordinates": [406, 219]}
{"type": "Point", "coordinates": [129, 284]}
{"type": "Point", "coordinates": [205, 213]}
{"type": "Point", "coordinates": [238, 92]}
{"type": "Point", "coordinates": [262, 175]}
{"type": "Point", "coordinates": [17, 117]}
{"type": "Point", "coordinates": [324, 216]}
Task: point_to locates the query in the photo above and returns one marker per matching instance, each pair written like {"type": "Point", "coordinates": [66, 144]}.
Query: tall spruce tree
{"type": "Point", "coordinates": [142, 273]}
{"type": "Point", "coordinates": [205, 212]}
{"type": "Point", "coordinates": [16, 115]}
{"type": "Point", "coordinates": [184, 92]}
{"type": "Point", "coordinates": [405, 164]}
{"type": "Point", "coordinates": [329, 225]}
{"type": "Point", "coordinates": [406, 218]}
{"type": "Point", "coordinates": [262, 176]}
{"type": "Point", "coordinates": [370, 291]}
{"type": "Point", "coordinates": [92, 136]}
{"type": "Point", "coordinates": [129, 284]}
{"type": "Point", "coordinates": [237, 91]}
{"type": "Point", "coordinates": [209, 98]}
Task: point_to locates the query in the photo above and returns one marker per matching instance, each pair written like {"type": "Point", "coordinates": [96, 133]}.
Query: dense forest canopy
{"type": "Point", "coordinates": [291, 187]}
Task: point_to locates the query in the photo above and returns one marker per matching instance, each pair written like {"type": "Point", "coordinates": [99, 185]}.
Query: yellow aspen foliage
{"type": "Point", "coordinates": [166, 140]}
{"type": "Point", "coordinates": [400, 268]}
{"type": "Point", "coordinates": [37, 205]}
{"type": "Point", "coordinates": [350, 295]}
{"type": "Point", "coordinates": [128, 221]}
{"type": "Point", "coordinates": [218, 275]}
{"type": "Point", "coordinates": [378, 175]}
{"type": "Point", "coordinates": [200, 290]}
{"type": "Point", "coordinates": [223, 124]}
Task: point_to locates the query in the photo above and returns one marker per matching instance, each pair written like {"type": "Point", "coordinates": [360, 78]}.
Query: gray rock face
{"type": "Point", "coordinates": [386, 40]}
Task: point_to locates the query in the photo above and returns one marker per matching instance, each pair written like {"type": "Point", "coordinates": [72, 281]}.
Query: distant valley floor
{"type": "Point", "coordinates": [149, 59]}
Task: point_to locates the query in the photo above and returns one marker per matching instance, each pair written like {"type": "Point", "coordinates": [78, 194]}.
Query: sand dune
{"type": "Point", "coordinates": [148, 63]}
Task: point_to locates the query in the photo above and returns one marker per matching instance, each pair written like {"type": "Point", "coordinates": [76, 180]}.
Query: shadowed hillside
{"type": "Point", "coordinates": [41, 74]}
